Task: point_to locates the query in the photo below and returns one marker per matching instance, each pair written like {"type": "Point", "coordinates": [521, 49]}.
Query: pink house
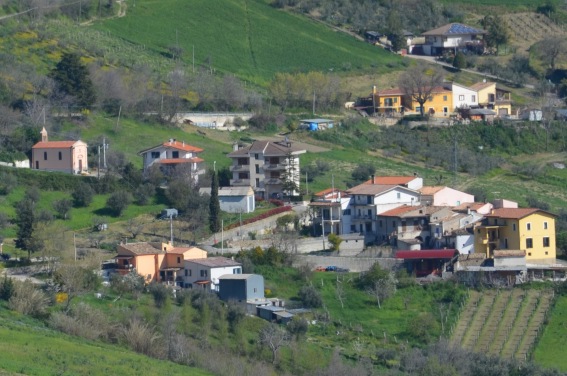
{"type": "Point", "coordinates": [443, 196]}
{"type": "Point", "coordinates": [63, 156]}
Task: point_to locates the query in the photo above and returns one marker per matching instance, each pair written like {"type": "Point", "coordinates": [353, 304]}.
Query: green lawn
{"type": "Point", "coordinates": [550, 350]}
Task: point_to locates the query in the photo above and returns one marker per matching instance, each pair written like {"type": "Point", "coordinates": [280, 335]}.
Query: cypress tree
{"type": "Point", "coordinates": [214, 205]}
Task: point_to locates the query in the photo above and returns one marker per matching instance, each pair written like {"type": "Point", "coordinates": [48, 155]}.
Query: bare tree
{"type": "Point", "coordinates": [134, 227]}
{"type": "Point", "coordinates": [340, 292]}
{"type": "Point", "coordinates": [382, 288]}
{"type": "Point", "coordinates": [419, 82]}
{"type": "Point", "coordinates": [551, 49]}
{"type": "Point", "coordinates": [274, 337]}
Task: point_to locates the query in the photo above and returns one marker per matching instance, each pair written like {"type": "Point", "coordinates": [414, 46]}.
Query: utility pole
{"type": "Point", "coordinates": [193, 58]}
{"type": "Point", "coordinates": [222, 237]}
{"type": "Point", "coordinates": [306, 185]}
{"type": "Point", "coordinates": [104, 151]}
{"type": "Point", "coordinates": [313, 102]}
{"type": "Point", "coordinates": [75, 246]}
{"type": "Point", "coordinates": [98, 166]}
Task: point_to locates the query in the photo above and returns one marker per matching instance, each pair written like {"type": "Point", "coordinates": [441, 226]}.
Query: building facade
{"type": "Point", "coordinates": [173, 155]}
{"type": "Point", "coordinates": [206, 272]}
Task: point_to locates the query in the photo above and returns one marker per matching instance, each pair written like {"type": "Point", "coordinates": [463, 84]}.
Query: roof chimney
{"type": "Point", "coordinates": [373, 179]}
{"type": "Point", "coordinates": [44, 135]}
{"type": "Point", "coordinates": [171, 141]}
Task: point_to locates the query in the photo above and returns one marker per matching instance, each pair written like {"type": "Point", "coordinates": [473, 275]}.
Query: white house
{"type": "Point", "coordinates": [204, 272]}
{"type": "Point", "coordinates": [369, 200]}
{"type": "Point", "coordinates": [172, 154]}
{"type": "Point", "coordinates": [453, 36]}
{"type": "Point", "coordinates": [463, 97]}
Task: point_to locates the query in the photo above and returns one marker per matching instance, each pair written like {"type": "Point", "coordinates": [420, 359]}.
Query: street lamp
{"type": "Point", "coordinates": [214, 166]}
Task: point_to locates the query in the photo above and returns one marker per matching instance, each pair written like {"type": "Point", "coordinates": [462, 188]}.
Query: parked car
{"type": "Point", "coordinates": [320, 269]}
{"type": "Point", "coordinates": [331, 268]}
{"type": "Point", "coordinates": [5, 256]}
{"type": "Point", "coordinates": [342, 270]}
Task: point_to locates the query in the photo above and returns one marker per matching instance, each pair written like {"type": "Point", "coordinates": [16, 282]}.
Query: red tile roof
{"type": "Point", "coordinates": [182, 146]}
{"type": "Point", "coordinates": [515, 213]}
{"type": "Point", "coordinates": [396, 212]}
{"type": "Point", "coordinates": [427, 254]}
{"type": "Point", "coordinates": [54, 145]}
{"type": "Point", "coordinates": [180, 160]}
{"type": "Point", "coordinates": [431, 190]}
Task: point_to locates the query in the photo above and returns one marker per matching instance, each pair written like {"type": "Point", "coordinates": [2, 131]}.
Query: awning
{"type": "Point", "coordinates": [124, 257]}
{"type": "Point", "coordinates": [427, 254]}
{"type": "Point", "coordinates": [203, 282]}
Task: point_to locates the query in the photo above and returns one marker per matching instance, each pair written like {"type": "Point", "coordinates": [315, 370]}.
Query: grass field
{"type": "Point", "coordinates": [550, 351]}
{"type": "Point", "coordinates": [248, 38]}
{"type": "Point", "coordinates": [27, 347]}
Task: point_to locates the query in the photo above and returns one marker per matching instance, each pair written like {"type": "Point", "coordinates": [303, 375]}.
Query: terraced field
{"type": "Point", "coordinates": [502, 323]}
{"type": "Point", "coordinates": [527, 28]}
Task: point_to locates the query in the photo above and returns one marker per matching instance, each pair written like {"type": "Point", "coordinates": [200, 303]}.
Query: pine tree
{"type": "Point", "coordinates": [72, 78]}
{"type": "Point", "coordinates": [214, 205]}
{"type": "Point", "coordinates": [459, 61]}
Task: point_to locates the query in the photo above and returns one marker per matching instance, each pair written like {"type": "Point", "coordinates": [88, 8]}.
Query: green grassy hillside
{"type": "Point", "coordinates": [29, 348]}
{"type": "Point", "coordinates": [247, 38]}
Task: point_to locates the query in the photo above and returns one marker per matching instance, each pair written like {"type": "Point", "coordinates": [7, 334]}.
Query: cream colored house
{"type": "Point", "coordinates": [63, 156]}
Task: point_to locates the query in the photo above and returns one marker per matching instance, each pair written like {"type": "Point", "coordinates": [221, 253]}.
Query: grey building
{"type": "Point", "coordinates": [241, 287]}
{"type": "Point", "coordinates": [266, 166]}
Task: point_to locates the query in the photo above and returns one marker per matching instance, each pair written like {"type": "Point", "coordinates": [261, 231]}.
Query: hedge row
{"type": "Point", "coordinates": [269, 213]}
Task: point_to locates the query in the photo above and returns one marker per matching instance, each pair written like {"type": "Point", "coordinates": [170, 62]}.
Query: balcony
{"type": "Point", "coordinates": [240, 182]}
{"type": "Point", "coordinates": [362, 217]}
{"type": "Point", "coordinates": [273, 181]}
{"type": "Point", "coordinates": [240, 167]}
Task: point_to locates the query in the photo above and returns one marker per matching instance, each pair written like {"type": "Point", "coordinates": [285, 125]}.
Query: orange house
{"type": "Point", "coordinates": [159, 262]}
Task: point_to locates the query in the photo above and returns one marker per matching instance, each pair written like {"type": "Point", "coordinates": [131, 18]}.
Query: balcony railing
{"type": "Point", "coordinates": [273, 181]}
{"type": "Point", "coordinates": [239, 167]}
{"type": "Point", "coordinates": [239, 181]}
{"type": "Point", "coordinates": [274, 167]}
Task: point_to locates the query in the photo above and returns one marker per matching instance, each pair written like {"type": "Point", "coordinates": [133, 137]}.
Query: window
{"type": "Point", "coordinates": [430, 98]}
{"type": "Point", "coordinates": [236, 271]}
{"type": "Point", "coordinates": [369, 213]}
{"type": "Point", "coordinates": [175, 154]}
{"type": "Point", "coordinates": [369, 199]}
{"type": "Point", "coordinates": [257, 169]}
{"type": "Point", "coordinates": [186, 273]}
{"type": "Point", "coordinates": [546, 241]}
{"type": "Point", "coordinates": [473, 98]}
{"type": "Point", "coordinates": [155, 154]}
{"type": "Point", "coordinates": [190, 272]}
{"type": "Point", "coordinates": [203, 273]}
{"type": "Point", "coordinates": [44, 155]}
{"type": "Point", "coordinates": [529, 243]}
{"type": "Point", "coordinates": [257, 182]}
{"type": "Point", "coordinates": [352, 228]}
{"type": "Point", "coordinates": [506, 243]}
{"type": "Point", "coordinates": [60, 156]}
{"type": "Point", "coordinates": [445, 110]}
{"type": "Point", "coordinates": [513, 226]}
{"type": "Point", "coordinates": [399, 195]}
{"type": "Point", "coordinates": [545, 225]}
{"type": "Point", "coordinates": [256, 156]}
{"type": "Point", "coordinates": [179, 260]}
{"type": "Point", "coordinates": [380, 223]}
{"type": "Point", "coordinates": [255, 290]}
{"type": "Point", "coordinates": [461, 97]}
{"type": "Point", "coordinates": [394, 224]}
{"type": "Point", "coordinates": [528, 226]}
{"type": "Point", "coordinates": [346, 212]}
{"type": "Point", "coordinates": [444, 98]}
{"type": "Point", "coordinates": [395, 100]}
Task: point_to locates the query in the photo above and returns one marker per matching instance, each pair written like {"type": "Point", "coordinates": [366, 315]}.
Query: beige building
{"type": "Point", "coordinates": [63, 156]}
{"type": "Point", "coordinates": [159, 262]}
{"type": "Point", "coordinates": [493, 98]}
{"type": "Point", "coordinates": [265, 166]}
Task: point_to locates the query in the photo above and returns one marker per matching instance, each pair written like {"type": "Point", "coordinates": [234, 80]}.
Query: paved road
{"type": "Point", "coordinates": [433, 60]}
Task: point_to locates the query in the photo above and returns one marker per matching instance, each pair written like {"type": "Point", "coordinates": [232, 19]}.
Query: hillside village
{"type": "Point", "coordinates": [295, 222]}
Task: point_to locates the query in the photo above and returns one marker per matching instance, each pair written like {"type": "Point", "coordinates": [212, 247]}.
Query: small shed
{"type": "Point", "coordinates": [482, 114]}
{"type": "Point", "coordinates": [268, 312]}
{"type": "Point", "coordinates": [316, 124]}
{"type": "Point", "coordinates": [241, 287]}
{"type": "Point", "coordinates": [169, 213]}
{"type": "Point", "coordinates": [532, 115]}
{"type": "Point", "coordinates": [372, 36]}
{"type": "Point", "coordinates": [426, 262]}
{"type": "Point", "coordinates": [235, 199]}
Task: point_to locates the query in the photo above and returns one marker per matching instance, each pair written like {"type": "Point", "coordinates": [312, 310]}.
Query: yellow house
{"type": "Point", "coordinates": [389, 100]}
{"type": "Point", "coordinates": [159, 262]}
{"type": "Point", "coordinates": [439, 104]}
{"type": "Point", "coordinates": [395, 100]}
{"type": "Point", "coordinates": [525, 229]}
{"type": "Point", "coordinates": [494, 98]}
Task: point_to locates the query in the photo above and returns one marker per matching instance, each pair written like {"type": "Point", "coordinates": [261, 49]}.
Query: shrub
{"type": "Point", "coordinates": [83, 321]}
{"type": "Point", "coordinates": [118, 202]}
{"type": "Point", "coordinates": [310, 297]}
{"type": "Point", "coordinates": [335, 242]}
{"type": "Point", "coordinates": [28, 300]}
{"type": "Point", "coordinates": [141, 338]}
{"type": "Point", "coordinates": [6, 288]}
{"type": "Point", "coordinates": [160, 293]}
{"type": "Point", "coordinates": [82, 195]}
